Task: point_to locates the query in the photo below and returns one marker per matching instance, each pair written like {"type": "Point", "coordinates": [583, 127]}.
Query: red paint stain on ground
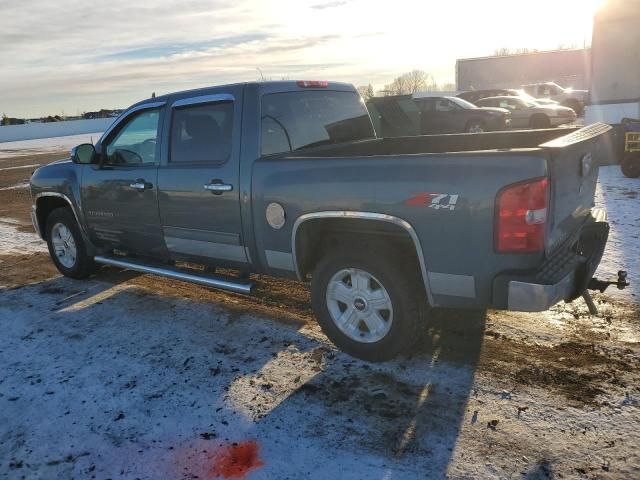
{"type": "Point", "coordinates": [236, 460]}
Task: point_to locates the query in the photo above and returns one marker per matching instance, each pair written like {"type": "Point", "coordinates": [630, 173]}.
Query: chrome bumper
{"type": "Point", "coordinates": [537, 297]}
{"type": "Point", "coordinates": [534, 297]}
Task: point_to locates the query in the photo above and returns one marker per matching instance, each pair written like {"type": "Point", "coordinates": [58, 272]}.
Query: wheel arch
{"type": "Point", "coordinates": [45, 203]}
{"type": "Point", "coordinates": [350, 222]}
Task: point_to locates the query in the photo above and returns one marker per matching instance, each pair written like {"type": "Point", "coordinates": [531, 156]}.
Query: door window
{"type": "Point", "coordinates": [202, 133]}
{"type": "Point", "coordinates": [444, 105]}
{"type": "Point", "coordinates": [136, 142]}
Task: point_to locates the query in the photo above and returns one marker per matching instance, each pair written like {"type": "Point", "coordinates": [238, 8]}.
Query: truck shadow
{"type": "Point", "coordinates": [410, 410]}
{"type": "Point", "coordinates": [407, 414]}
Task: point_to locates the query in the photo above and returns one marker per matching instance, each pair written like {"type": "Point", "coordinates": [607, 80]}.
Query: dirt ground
{"type": "Point", "coordinates": [132, 376]}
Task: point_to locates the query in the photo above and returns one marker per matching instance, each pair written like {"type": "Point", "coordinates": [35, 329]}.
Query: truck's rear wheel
{"type": "Point", "coordinates": [367, 303]}
{"type": "Point", "coordinates": [66, 245]}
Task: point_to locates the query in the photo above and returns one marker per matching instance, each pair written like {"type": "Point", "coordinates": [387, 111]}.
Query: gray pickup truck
{"type": "Point", "coordinates": [288, 179]}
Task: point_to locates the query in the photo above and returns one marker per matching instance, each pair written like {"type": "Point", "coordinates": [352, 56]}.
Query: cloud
{"type": "Point", "coordinates": [324, 6]}
{"type": "Point", "coordinates": [74, 55]}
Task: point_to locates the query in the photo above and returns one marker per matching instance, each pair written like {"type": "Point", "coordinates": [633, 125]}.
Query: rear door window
{"type": "Point", "coordinates": [295, 120]}
{"type": "Point", "coordinates": [202, 133]}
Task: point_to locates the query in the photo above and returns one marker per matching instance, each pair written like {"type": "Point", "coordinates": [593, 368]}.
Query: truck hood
{"type": "Point", "coordinates": [54, 176]}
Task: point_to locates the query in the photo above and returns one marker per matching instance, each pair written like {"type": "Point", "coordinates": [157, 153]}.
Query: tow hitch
{"type": "Point", "coordinates": [601, 285]}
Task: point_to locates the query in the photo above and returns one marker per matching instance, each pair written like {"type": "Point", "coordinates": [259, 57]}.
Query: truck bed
{"type": "Point", "coordinates": [386, 175]}
{"type": "Point", "coordinates": [460, 142]}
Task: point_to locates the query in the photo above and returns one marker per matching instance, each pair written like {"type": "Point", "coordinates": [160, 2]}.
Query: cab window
{"type": "Point", "coordinates": [444, 105]}
{"type": "Point", "coordinates": [296, 120]}
{"type": "Point", "coordinates": [136, 142]}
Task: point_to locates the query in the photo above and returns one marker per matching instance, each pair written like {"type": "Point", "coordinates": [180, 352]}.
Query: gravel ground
{"type": "Point", "coordinates": [131, 376]}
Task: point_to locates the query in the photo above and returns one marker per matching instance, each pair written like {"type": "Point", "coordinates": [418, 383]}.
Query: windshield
{"type": "Point", "coordinates": [295, 120]}
{"type": "Point", "coordinates": [461, 102]}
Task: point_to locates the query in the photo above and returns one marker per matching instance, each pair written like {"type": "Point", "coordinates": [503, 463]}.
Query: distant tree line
{"type": "Point", "coordinates": [406, 84]}
{"type": "Point", "coordinates": [504, 51]}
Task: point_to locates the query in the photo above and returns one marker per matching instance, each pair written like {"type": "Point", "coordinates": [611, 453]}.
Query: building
{"type": "Point", "coordinates": [568, 68]}
{"type": "Point", "coordinates": [615, 79]}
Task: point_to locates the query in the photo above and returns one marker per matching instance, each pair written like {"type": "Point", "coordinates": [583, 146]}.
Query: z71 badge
{"type": "Point", "coordinates": [437, 201]}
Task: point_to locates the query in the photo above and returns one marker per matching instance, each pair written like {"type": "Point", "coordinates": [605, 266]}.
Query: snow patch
{"type": "Point", "coordinates": [13, 241]}
{"type": "Point", "coordinates": [18, 186]}
{"type": "Point", "coordinates": [620, 196]}
{"type": "Point", "coordinates": [23, 148]}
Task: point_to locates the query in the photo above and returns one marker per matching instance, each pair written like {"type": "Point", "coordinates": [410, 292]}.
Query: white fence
{"type": "Point", "coordinates": [28, 131]}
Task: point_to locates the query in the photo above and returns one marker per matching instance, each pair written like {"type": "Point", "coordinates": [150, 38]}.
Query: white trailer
{"type": "Point", "coordinates": [615, 63]}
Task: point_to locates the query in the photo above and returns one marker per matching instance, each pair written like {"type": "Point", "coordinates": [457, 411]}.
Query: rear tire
{"type": "Point", "coordinates": [539, 121]}
{"type": "Point", "coordinates": [66, 245]}
{"type": "Point", "coordinates": [369, 303]}
{"type": "Point", "coordinates": [630, 165]}
{"type": "Point", "coordinates": [475, 126]}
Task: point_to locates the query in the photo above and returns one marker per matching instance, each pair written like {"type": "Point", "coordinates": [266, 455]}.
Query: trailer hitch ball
{"type": "Point", "coordinates": [622, 280]}
{"type": "Point", "coordinates": [601, 285]}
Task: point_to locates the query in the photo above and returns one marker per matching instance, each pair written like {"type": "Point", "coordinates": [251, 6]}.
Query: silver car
{"type": "Point", "coordinates": [529, 114]}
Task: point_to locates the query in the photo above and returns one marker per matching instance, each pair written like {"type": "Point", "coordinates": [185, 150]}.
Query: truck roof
{"type": "Point", "coordinates": [270, 86]}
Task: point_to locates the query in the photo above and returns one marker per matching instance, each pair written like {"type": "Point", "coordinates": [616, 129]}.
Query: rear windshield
{"type": "Point", "coordinates": [296, 120]}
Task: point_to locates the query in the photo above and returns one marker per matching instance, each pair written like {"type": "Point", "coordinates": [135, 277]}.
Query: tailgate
{"type": "Point", "coordinates": [573, 170]}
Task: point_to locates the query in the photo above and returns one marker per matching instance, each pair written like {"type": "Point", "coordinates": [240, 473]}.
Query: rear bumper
{"type": "Point", "coordinates": [565, 274]}
{"type": "Point", "coordinates": [535, 297]}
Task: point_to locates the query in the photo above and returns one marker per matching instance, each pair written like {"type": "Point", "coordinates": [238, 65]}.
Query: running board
{"type": "Point", "coordinates": [223, 283]}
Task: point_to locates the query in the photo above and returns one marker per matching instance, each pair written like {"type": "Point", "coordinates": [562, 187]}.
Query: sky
{"type": "Point", "coordinates": [71, 56]}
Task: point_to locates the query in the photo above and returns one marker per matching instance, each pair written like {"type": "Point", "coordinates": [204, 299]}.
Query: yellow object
{"type": "Point", "coordinates": [632, 142]}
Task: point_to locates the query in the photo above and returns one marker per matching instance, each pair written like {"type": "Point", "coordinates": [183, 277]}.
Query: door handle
{"type": "Point", "coordinates": [141, 185]}
{"type": "Point", "coordinates": [217, 187]}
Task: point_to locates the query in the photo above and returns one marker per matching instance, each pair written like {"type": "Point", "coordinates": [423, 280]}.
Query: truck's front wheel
{"type": "Point", "coordinates": [367, 303]}
{"type": "Point", "coordinates": [66, 245]}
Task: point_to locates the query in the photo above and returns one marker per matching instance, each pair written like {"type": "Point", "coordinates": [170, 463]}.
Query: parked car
{"type": "Point", "coordinates": [568, 97]}
{"type": "Point", "coordinates": [474, 95]}
{"type": "Point", "coordinates": [527, 114]}
{"type": "Point", "coordinates": [288, 179]}
{"type": "Point", "coordinates": [406, 115]}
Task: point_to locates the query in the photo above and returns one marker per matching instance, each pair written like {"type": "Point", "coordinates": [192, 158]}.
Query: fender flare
{"type": "Point", "coordinates": [371, 216]}
{"type": "Point", "coordinates": [64, 197]}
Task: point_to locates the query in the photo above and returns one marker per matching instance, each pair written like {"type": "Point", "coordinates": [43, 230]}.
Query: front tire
{"type": "Point", "coordinates": [66, 245]}
{"type": "Point", "coordinates": [369, 304]}
{"type": "Point", "coordinates": [475, 126]}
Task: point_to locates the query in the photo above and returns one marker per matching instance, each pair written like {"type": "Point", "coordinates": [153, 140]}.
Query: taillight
{"type": "Point", "coordinates": [312, 84]}
{"type": "Point", "coordinates": [521, 216]}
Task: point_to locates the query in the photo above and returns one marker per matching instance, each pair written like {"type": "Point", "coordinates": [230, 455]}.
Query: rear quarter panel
{"type": "Point", "coordinates": [456, 242]}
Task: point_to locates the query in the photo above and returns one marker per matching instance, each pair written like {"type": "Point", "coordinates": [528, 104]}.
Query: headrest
{"type": "Point", "coordinates": [201, 127]}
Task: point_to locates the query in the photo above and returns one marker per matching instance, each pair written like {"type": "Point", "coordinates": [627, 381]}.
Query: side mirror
{"type": "Point", "coordinates": [83, 154]}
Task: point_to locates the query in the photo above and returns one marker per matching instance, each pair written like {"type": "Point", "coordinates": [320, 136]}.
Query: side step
{"type": "Point", "coordinates": [224, 283]}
